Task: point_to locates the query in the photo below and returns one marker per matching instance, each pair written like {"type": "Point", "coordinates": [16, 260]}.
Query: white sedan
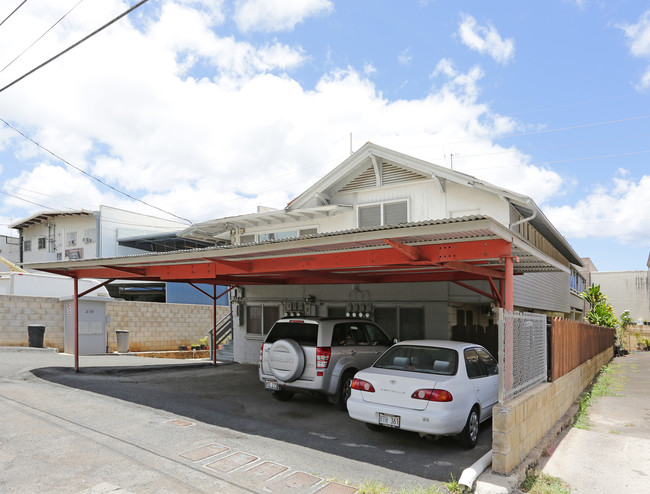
{"type": "Point", "coordinates": [432, 387]}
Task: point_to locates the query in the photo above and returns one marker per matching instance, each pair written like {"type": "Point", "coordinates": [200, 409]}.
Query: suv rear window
{"type": "Point", "coordinates": [304, 334]}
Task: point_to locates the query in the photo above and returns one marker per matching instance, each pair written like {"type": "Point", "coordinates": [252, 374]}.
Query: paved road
{"type": "Point", "coordinates": [121, 425]}
{"type": "Point", "coordinates": [613, 456]}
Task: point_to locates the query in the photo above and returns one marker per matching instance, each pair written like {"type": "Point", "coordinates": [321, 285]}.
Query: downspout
{"type": "Point", "coordinates": [470, 474]}
{"type": "Point", "coordinates": [98, 234]}
{"type": "Point", "coordinates": [525, 220]}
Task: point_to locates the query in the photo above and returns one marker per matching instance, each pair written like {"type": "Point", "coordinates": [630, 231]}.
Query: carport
{"type": "Point", "coordinates": [457, 250]}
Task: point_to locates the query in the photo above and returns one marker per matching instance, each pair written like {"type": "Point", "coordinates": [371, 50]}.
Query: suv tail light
{"type": "Point", "coordinates": [432, 395]}
{"type": "Point", "coordinates": [361, 385]}
{"type": "Point", "coordinates": [261, 356]}
{"type": "Point", "coordinates": [323, 354]}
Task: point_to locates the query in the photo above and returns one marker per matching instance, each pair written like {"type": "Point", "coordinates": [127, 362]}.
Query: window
{"type": "Point", "coordinates": [488, 361]}
{"type": "Point", "coordinates": [260, 318]}
{"type": "Point", "coordinates": [71, 239]}
{"type": "Point", "coordinates": [90, 235]}
{"type": "Point", "coordinates": [389, 213]}
{"type": "Point", "coordinates": [41, 243]}
{"type": "Point", "coordinates": [403, 323]}
{"type": "Point", "coordinates": [480, 363]}
{"type": "Point", "coordinates": [473, 363]}
{"type": "Point", "coordinates": [27, 245]}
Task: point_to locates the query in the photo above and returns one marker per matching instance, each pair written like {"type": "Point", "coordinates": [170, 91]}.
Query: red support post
{"type": "Point", "coordinates": [76, 324]}
{"type": "Point", "coordinates": [214, 325]}
{"type": "Point", "coordinates": [508, 296]}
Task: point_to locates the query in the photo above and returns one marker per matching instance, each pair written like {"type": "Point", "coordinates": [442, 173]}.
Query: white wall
{"type": "Point", "coordinates": [626, 290]}
{"type": "Point", "coordinates": [117, 224]}
{"type": "Point", "coordinates": [45, 285]}
{"type": "Point", "coordinates": [56, 236]}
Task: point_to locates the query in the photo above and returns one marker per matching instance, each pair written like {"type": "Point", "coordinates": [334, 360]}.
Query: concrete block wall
{"type": "Point", "coordinates": [17, 312]}
{"type": "Point", "coordinates": [522, 422]}
{"type": "Point", "coordinates": [159, 327]}
{"type": "Point", "coordinates": [152, 326]}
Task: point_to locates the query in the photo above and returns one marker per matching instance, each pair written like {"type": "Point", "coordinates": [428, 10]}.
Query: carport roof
{"type": "Point", "coordinates": [452, 249]}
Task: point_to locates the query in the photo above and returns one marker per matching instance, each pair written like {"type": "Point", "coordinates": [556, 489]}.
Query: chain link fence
{"type": "Point", "coordinates": [522, 352]}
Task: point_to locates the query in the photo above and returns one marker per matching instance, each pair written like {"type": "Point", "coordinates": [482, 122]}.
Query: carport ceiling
{"type": "Point", "coordinates": [455, 249]}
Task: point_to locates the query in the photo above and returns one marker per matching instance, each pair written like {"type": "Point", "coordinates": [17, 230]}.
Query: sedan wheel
{"type": "Point", "coordinates": [345, 390]}
{"type": "Point", "coordinates": [469, 436]}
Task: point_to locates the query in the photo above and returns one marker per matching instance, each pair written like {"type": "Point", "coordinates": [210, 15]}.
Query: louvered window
{"type": "Point", "coordinates": [395, 213]}
{"type": "Point", "coordinates": [369, 216]}
{"type": "Point", "coordinates": [391, 213]}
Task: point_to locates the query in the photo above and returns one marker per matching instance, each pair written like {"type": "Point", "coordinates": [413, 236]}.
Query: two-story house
{"type": "Point", "coordinates": [377, 189]}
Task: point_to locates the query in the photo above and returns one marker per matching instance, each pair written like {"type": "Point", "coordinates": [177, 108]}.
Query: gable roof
{"type": "Point", "coordinates": [373, 166]}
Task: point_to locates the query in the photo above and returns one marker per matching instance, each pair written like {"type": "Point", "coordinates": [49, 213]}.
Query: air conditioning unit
{"type": "Point", "coordinates": [87, 240]}
{"type": "Point", "coordinates": [72, 242]}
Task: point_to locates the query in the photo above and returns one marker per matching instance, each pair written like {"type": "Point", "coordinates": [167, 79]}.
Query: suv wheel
{"type": "Point", "coordinates": [286, 360]}
{"type": "Point", "coordinates": [345, 389]}
{"type": "Point", "coordinates": [282, 395]}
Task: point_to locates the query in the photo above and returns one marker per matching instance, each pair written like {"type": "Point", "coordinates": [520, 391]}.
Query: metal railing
{"type": "Point", "coordinates": [224, 330]}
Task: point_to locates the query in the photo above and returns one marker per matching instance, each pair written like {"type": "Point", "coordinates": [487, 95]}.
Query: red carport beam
{"type": "Point", "coordinates": [474, 289]}
{"type": "Point", "coordinates": [508, 295]}
{"type": "Point", "coordinates": [412, 253]}
{"type": "Point", "coordinates": [76, 325]}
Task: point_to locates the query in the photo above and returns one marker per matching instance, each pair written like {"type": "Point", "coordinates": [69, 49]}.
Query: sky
{"type": "Point", "coordinates": [201, 109]}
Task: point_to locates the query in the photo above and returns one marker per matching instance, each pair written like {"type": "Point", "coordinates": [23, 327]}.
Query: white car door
{"type": "Point", "coordinates": [484, 376]}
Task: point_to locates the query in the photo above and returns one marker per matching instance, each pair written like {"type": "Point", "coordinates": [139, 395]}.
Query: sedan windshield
{"type": "Point", "coordinates": [430, 360]}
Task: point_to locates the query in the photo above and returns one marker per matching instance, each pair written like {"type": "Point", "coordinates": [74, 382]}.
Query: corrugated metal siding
{"type": "Point", "coordinates": [546, 291]}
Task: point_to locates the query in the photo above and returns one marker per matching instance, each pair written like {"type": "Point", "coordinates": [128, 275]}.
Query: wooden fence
{"type": "Point", "coordinates": [572, 343]}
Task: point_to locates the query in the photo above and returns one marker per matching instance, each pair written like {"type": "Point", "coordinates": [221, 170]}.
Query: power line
{"type": "Point", "coordinates": [39, 38]}
{"type": "Point", "coordinates": [89, 175]}
{"type": "Point", "coordinates": [126, 12]}
{"type": "Point", "coordinates": [12, 13]}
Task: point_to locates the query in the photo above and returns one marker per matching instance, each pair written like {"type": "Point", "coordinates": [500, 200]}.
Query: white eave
{"type": "Point", "coordinates": [212, 228]}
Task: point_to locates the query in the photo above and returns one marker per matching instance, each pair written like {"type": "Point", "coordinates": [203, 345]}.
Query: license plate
{"type": "Point", "coordinates": [273, 385]}
{"type": "Point", "coordinates": [389, 420]}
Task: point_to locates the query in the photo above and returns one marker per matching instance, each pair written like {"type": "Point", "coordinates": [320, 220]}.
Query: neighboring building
{"type": "Point", "coordinates": [377, 187]}
{"type": "Point", "coordinates": [81, 234]}
{"type": "Point", "coordinates": [626, 290]}
{"type": "Point", "coordinates": [109, 232]}
{"type": "Point", "coordinates": [10, 248]}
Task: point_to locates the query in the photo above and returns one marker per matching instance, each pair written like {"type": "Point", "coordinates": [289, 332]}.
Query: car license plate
{"type": "Point", "coordinates": [389, 420]}
{"type": "Point", "coordinates": [273, 385]}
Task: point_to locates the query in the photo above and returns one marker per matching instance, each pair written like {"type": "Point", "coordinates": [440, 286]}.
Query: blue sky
{"type": "Point", "coordinates": [209, 108]}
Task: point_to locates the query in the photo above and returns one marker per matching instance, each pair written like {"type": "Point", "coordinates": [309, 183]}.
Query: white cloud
{"type": "Point", "coordinates": [638, 38]}
{"type": "Point", "coordinates": [277, 15]}
{"type": "Point", "coordinates": [616, 210]}
{"type": "Point", "coordinates": [485, 40]}
{"type": "Point", "coordinates": [404, 57]}
{"type": "Point", "coordinates": [133, 109]}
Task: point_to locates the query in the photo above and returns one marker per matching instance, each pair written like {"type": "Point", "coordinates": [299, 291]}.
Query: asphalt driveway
{"type": "Point", "coordinates": [307, 433]}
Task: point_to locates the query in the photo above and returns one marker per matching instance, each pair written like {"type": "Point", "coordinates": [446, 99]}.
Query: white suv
{"type": "Point", "coordinates": [319, 354]}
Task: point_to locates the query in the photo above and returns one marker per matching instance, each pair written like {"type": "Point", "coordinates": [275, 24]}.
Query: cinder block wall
{"type": "Point", "coordinates": [160, 327]}
{"type": "Point", "coordinates": [519, 424]}
{"type": "Point", "coordinates": [152, 326]}
{"type": "Point", "coordinates": [17, 312]}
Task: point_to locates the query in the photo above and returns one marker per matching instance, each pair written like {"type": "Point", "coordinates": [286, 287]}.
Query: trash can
{"type": "Point", "coordinates": [35, 334]}
{"type": "Point", "coordinates": [122, 340]}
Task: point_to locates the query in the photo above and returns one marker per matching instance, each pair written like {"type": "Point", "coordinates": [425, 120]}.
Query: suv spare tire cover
{"type": "Point", "coordinates": [286, 360]}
